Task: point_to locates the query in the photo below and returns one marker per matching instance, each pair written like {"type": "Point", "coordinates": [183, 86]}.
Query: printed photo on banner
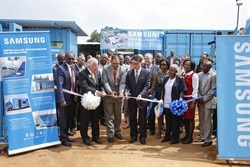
{"type": "Point", "coordinates": [44, 119]}
{"type": "Point", "coordinates": [131, 39]}
{"type": "Point", "coordinates": [12, 66]}
{"type": "Point", "coordinates": [16, 104]}
{"type": "Point", "coordinates": [42, 83]}
{"type": "Point", "coordinates": [114, 39]}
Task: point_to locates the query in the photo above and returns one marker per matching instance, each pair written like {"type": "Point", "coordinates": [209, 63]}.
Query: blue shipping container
{"type": "Point", "coordinates": [192, 42]}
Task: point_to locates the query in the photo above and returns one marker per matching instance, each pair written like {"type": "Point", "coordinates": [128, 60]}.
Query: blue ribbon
{"type": "Point", "coordinates": [178, 107]}
{"type": "Point", "coordinates": [154, 100]}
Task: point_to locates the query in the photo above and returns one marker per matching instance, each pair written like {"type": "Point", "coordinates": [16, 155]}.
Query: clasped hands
{"type": "Point", "coordinates": [126, 94]}
{"type": "Point", "coordinates": [100, 93]}
{"type": "Point", "coordinates": [116, 95]}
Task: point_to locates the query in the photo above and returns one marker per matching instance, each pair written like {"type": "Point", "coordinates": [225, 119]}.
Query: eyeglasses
{"type": "Point", "coordinates": [71, 59]}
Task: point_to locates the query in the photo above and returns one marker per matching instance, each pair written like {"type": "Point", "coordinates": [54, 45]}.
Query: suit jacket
{"type": "Point", "coordinates": [77, 74]}
{"type": "Point", "coordinates": [87, 83]}
{"type": "Point", "coordinates": [175, 58]}
{"type": "Point", "coordinates": [207, 90]}
{"type": "Point", "coordinates": [178, 87]}
{"type": "Point", "coordinates": [110, 85]}
{"type": "Point", "coordinates": [55, 67]}
{"type": "Point", "coordinates": [63, 81]}
{"type": "Point", "coordinates": [153, 70]}
{"type": "Point", "coordinates": [139, 88]}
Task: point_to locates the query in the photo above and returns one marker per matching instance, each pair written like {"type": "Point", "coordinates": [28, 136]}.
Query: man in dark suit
{"type": "Point", "coordinates": [65, 79]}
{"type": "Point", "coordinates": [90, 80]}
{"type": "Point", "coordinates": [60, 61]}
{"type": "Point", "coordinates": [153, 69]}
{"type": "Point", "coordinates": [137, 85]}
{"type": "Point", "coordinates": [173, 58]}
{"type": "Point", "coordinates": [79, 66]}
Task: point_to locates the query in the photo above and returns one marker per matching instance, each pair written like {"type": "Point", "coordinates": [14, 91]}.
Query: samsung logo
{"type": "Point", "coordinates": [25, 40]}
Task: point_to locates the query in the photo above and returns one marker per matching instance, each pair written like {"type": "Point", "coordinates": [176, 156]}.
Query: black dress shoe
{"type": "Point", "coordinates": [163, 128]}
{"type": "Point", "coordinates": [71, 140]}
{"type": "Point", "coordinates": [111, 139]}
{"type": "Point", "coordinates": [132, 140]}
{"type": "Point", "coordinates": [187, 141]}
{"type": "Point", "coordinates": [118, 136]}
{"type": "Point", "coordinates": [103, 123]}
{"type": "Point", "coordinates": [173, 142]}
{"type": "Point", "coordinates": [87, 142]}
{"type": "Point", "coordinates": [98, 141]}
{"type": "Point", "coordinates": [67, 144]}
{"type": "Point", "coordinates": [165, 140]}
{"type": "Point", "coordinates": [152, 133]}
{"type": "Point", "coordinates": [207, 144]}
{"type": "Point", "coordinates": [184, 138]}
{"type": "Point", "coordinates": [143, 141]}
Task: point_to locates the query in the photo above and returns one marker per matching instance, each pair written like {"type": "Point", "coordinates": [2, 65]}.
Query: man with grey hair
{"type": "Point", "coordinates": [90, 80]}
{"type": "Point", "coordinates": [206, 105]}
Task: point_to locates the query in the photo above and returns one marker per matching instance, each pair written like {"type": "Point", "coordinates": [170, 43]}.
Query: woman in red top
{"type": "Point", "coordinates": [192, 83]}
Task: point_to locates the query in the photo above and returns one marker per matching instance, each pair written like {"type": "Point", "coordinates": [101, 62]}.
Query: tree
{"type": "Point", "coordinates": [94, 37]}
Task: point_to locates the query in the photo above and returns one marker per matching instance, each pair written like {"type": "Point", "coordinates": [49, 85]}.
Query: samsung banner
{"type": "Point", "coordinates": [132, 39]}
{"type": "Point", "coordinates": [233, 92]}
{"type": "Point", "coordinates": [28, 90]}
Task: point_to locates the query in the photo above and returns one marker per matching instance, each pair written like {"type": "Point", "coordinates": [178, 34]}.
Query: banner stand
{"type": "Point", "coordinates": [27, 93]}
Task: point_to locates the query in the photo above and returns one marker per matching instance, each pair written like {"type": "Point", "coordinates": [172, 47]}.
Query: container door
{"type": "Point", "coordinates": [179, 42]}
{"type": "Point", "coordinates": [199, 44]}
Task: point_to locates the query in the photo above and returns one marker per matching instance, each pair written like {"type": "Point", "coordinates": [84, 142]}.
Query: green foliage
{"type": "Point", "coordinates": [94, 37]}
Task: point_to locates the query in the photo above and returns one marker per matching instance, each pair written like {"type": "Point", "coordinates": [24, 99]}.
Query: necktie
{"type": "Point", "coordinates": [72, 79]}
{"type": "Point", "coordinates": [114, 74]}
{"type": "Point", "coordinates": [93, 76]}
{"type": "Point", "coordinates": [136, 75]}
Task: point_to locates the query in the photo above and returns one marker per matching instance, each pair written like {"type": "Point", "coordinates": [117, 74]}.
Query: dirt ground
{"type": "Point", "coordinates": [121, 153]}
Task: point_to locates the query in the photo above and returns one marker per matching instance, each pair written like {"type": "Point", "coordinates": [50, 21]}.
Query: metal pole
{"type": "Point", "coordinates": [238, 3]}
{"type": "Point", "coordinates": [238, 13]}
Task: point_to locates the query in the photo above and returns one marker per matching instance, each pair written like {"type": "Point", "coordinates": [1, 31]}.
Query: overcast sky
{"type": "Point", "coordinates": [131, 14]}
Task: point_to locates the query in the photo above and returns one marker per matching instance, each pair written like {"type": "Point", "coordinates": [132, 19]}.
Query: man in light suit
{"type": "Point", "coordinates": [89, 79]}
{"type": "Point", "coordinates": [153, 69]}
{"type": "Point", "coordinates": [206, 105]}
{"type": "Point", "coordinates": [137, 85]}
{"type": "Point", "coordinates": [114, 84]}
{"type": "Point", "coordinates": [65, 79]}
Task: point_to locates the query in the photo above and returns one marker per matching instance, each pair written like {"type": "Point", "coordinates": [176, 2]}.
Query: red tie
{"type": "Point", "coordinates": [114, 74]}
{"type": "Point", "coordinates": [72, 79]}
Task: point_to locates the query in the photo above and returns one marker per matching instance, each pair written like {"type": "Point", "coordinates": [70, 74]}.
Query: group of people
{"type": "Point", "coordinates": [123, 83]}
